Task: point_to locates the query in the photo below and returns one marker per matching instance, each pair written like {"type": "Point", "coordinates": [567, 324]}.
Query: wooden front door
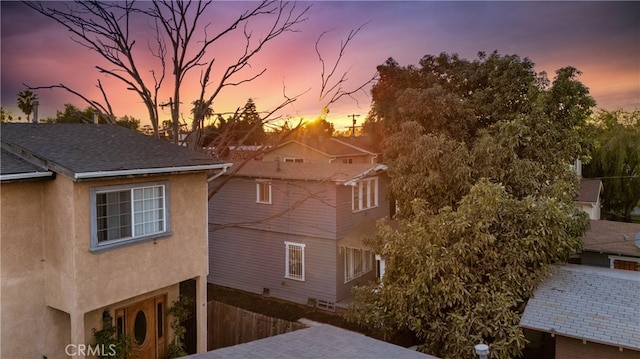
{"type": "Point", "coordinates": [144, 323]}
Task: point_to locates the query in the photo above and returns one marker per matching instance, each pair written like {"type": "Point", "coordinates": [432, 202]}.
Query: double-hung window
{"type": "Point", "coordinates": [365, 194]}
{"type": "Point", "coordinates": [294, 261]}
{"type": "Point", "coordinates": [128, 213]}
{"type": "Point", "coordinates": [263, 191]}
{"type": "Point", "coordinates": [356, 262]}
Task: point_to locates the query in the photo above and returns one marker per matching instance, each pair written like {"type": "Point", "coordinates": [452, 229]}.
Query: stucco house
{"type": "Point", "coordinates": [100, 224]}
{"type": "Point", "coordinates": [293, 230]}
{"type": "Point", "coordinates": [324, 150]}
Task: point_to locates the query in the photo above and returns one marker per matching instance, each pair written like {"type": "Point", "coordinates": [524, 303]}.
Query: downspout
{"type": "Point", "coordinates": [332, 159]}
{"type": "Point", "coordinates": [224, 170]}
{"type": "Point", "coordinates": [374, 159]}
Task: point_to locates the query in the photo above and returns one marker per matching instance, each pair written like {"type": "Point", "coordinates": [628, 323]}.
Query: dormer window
{"type": "Point", "coordinates": [125, 213]}
{"type": "Point", "coordinates": [365, 194]}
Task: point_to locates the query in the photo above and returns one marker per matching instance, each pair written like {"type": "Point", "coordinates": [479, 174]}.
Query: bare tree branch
{"type": "Point", "coordinates": [332, 87]}
{"type": "Point", "coordinates": [106, 112]}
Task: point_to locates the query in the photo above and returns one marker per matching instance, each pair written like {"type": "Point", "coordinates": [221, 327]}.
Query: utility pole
{"type": "Point", "coordinates": [353, 128]}
{"type": "Point", "coordinates": [175, 128]}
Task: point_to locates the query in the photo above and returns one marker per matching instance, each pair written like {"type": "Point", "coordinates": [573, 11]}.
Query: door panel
{"type": "Point", "coordinates": [141, 324]}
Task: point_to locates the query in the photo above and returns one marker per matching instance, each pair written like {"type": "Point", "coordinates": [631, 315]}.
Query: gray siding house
{"type": "Point", "coordinates": [293, 230]}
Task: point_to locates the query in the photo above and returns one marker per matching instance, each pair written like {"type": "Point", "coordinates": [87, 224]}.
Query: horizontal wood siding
{"type": "Point", "coordinates": [304, 208]}
{"type": "Point", "coordinates": [347, 218]}
{"type": "Point", "coordinates": [251, 260]}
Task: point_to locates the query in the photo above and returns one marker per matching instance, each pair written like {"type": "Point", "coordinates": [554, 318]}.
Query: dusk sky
{"type": "Point", "coordinates": [600, 39]}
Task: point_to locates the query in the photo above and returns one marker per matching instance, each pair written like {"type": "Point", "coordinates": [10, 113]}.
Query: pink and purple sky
{"type": "Point", "coordinates": [601, 39]}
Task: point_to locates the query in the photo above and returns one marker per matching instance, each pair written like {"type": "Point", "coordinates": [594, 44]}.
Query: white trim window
{"type": "Point", "coordinates": [263, 191]}
{"type": "Point", "coordinates": [128, 213]}
{"type": "Point", "coordinates": [365, 194]}
{"type": "Point", "coordinates": [294, 261]}
{"type": "Point", "coordinates": [294, 159]}
{"type": "Point", "coordinates": [357, 262]}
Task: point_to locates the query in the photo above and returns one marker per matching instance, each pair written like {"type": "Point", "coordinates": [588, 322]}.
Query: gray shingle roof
{"type": "Point", "coordinates": [307, 171]}
{"type": "Point", "coordinates": [612, 238]}
{"type": "Point", "coordinates": [589, 190]}
{"type": "Point", "coordinates": [14, 167]}
{"type": "Point", "coordinates": [596, 304]}
{"type": "Point", "coordinates": [316, 342]}
{"type": "Point", "coordinates": [75, 149]}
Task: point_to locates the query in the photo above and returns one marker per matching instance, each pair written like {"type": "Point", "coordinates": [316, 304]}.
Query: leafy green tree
{"type": "Point", "coordinates": [248, 127]}
{"type": "Point", "coordinates": [26, 101]}
{"type": "Point", "coordinates": [319, 127]}
{"type": "Point", "coordinates": [485, 206]}
{"type": "Point", "coordinates": [72, 114]}
{"type": "Point", "coordinates": [616, 159]}
{"type": "Point", "coordinates": [453, 96]}
{"type": "Point", "coordinates": [6, 116]}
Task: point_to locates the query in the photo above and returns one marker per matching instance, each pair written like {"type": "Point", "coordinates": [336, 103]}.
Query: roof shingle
{"type": "Point", "coordinates": [612, 237]}
{"type": "Point", "coordinates": [596, 304]}
{"type": "Point", "coordinates": [87, 148]}
{"type": "Point", "coordinates": [307, 171]}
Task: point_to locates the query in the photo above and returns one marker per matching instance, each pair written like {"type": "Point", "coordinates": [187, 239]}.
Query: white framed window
{"type": "Point", "coordinates": [357, 261]}
{"type": "Point", "coordinates": [128, 213]}
{"type": "Point", "coordinates": [365, 194]}
{"type": "Point", "coordinates": [263, 191]}
{"type": "Point", "coordinates": [294, 261]}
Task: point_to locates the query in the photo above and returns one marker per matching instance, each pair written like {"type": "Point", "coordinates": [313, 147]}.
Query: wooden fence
{"type": "Point", "coordinates": [228, 325]}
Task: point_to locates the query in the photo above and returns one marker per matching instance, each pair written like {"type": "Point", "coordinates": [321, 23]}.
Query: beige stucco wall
{"type": "Point", "coordinates": [53, 286]}
{"type": "Point", "coordinates": [87, 281]}
{"type": "Point", "coordinates": [23, 311]}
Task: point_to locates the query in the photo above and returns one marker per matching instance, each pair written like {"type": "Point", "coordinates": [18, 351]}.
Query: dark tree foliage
{"type": "Point", "coordinates": [616, 159]}
{"type": "Point", "coordinates": [72, 114]}
{"type": "Point", "coordinates": [479, 156]}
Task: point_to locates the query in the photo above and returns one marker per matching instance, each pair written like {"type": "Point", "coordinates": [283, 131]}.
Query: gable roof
{"type": "Point", "coordinates": [82, 151]}
{"type": "Point", "coordinates": [316, 342]}
{"type": "Point", "coordinates": [600, 305]}
{"type": "Point", "coordinates": [330, 147]}
{"type": "Point", "coordinates": [363, 143]}
{"type": "Point", "coordinates": [612, 238]}
{"type": "Point", "coordinates": [309, 171]}
{"type": "Point", "coordinates": [589, 190]}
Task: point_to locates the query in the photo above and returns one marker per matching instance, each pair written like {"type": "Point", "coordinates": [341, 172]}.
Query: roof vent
{"type": "Point", "coordinates": [638, 239]}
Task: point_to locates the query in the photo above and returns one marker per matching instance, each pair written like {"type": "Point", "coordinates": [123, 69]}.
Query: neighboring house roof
{"type": "Point", "coordinates": [13, 167]}
{"type": "Point", "coordinates": [309, 171]}
{"type": "Point", "coordinates": [330, 147]}
{"type": "Point", "coordinates": [599, 305]}
{"type": "Point", "coordinates": [589, 190]}
{"type": "Point", "coordinates": [94, 151]}
{"type": "Point", "coordinates": [363, 143]}
{"type": "Point", "coordinates": [612, 237]}
{"type": "Point", "coordinates": [316, 342]}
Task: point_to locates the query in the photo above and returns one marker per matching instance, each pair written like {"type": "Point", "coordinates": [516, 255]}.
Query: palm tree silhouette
{"type": "Point", "coordinates": [26, 101]}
